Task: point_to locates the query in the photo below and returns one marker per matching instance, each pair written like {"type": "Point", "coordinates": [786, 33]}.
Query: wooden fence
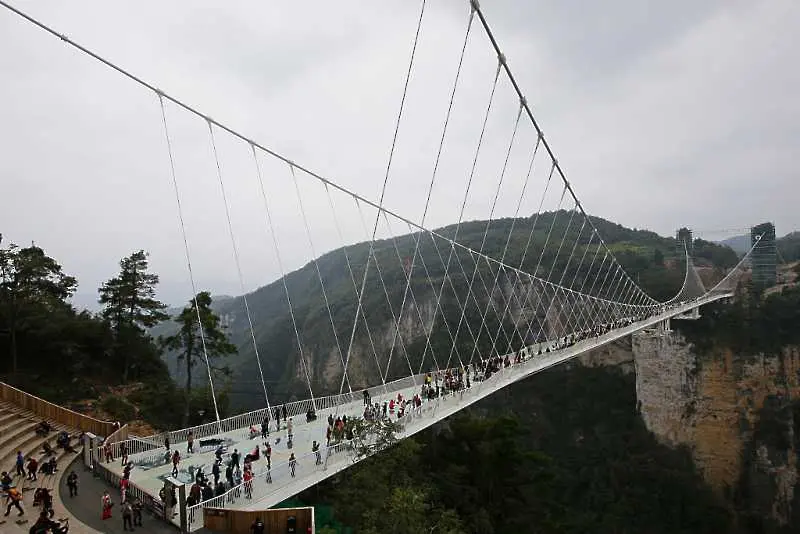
{"type": "Point", "coordinates": [120, 434]}
{"type": "Point", "coordinates": [53, 412]}
{"type": "Point", "coordinates": [275, 520]}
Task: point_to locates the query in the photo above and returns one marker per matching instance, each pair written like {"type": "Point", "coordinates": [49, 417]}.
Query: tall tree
{"type": "Point", "coordinates": [130, 305]}
{"type": "Point", "coordinates": [31, 284]}
{"type": "Point", "coordinates": [190, 345]}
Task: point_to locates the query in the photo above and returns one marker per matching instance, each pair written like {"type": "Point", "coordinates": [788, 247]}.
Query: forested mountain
{"type": "Point", "coordinates": [655, 262]}
{"type": "Point", "coordinates": [563, 453]}
{"type": "Point", "coordinates": [568, 451]}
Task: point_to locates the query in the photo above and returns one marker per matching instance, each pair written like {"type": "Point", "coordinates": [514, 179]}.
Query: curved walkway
{"type": "Point", "coordinates": [86, 506]}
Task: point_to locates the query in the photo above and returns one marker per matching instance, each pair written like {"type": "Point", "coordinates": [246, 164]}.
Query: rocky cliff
{"type": "Point", "coordinates": [733, 411]}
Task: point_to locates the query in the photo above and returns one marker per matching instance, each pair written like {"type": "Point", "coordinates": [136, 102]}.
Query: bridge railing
{"type": "Point", "coordinates": [281, 485]}
{"type": "Point", "coordinates": [150, 502]}
{"type": "Point", "coordinates": [278, 482]}
{"type": "Point", "coordinates": [268, 481]}
{"type": "Point", "coordinates": [237, 426]}
{"type": "Point", "coordinates": [146, 449]}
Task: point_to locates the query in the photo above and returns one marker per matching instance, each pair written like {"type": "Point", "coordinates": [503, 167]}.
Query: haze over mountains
{"type": "Point", "coordinates": [654, 261]}
{"type": "Point", "coordinates": [788, 245]}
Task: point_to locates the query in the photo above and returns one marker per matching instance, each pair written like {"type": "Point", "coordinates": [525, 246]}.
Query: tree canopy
{"type": "Point", "coordinates": [200, 336]}
{"type": "Point", "coordinates": [130, 306]}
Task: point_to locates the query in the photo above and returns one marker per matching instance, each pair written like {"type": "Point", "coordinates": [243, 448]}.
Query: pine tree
{"type": "Point", "coordinates": [189, 344]}
{"type": "Point", "coordinates": [31, 284]}
{"type": "Point", "coordinates": [130, 305]}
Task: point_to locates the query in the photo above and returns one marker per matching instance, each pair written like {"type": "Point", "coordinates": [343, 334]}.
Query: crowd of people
{"type": "Point", "coordinates": [16, 483]}
{"type": "Point", "coordinates": [233, 475]}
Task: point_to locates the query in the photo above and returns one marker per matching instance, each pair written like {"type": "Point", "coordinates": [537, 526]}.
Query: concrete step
{"type": "Point", "coordinates": [9, 448]}
{"type": "Point", "coordinates": [9, 427]}
{"type": "Point", "coordinates": [15, 431]}
{"type": "Point", "coordinates": [30, 443]}
{"type": "Point", "coordinates": [7, 417]}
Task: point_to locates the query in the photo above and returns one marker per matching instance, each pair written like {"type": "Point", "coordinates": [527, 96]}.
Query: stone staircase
{"type": "Point", "coordinates": [17, 433]}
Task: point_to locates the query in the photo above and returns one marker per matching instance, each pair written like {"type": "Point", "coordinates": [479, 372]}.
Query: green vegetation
{"type": "Point", "coordinates": [563, 452]}
{"type": "Point", "coordinates": [130, 307]}
{"type": "Point", "coordinates": [750, 325]}
{"type": "Point", "coordinates": [51, 350]}
{"type": "Point", "coordinates": [31, 286]}
{"type": "Point", "coordinates": [789, 247]}
{"type": "Point", "coordinates": [200, 336]}
{"type": "Point", "coordinates": [655, 262]}
{"type": "Point", "coordinates": [567, 454]}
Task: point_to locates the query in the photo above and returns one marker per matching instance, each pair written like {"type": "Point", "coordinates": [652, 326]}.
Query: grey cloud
{"type": "Point", "coordinates": [663, 114]}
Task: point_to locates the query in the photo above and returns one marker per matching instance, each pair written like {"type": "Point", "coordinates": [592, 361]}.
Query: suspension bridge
{"type": "Point", "coordinates": [468, 314]}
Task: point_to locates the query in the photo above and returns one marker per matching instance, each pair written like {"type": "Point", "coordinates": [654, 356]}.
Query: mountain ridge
{"type": "Point", "coordinates": [655, 262]}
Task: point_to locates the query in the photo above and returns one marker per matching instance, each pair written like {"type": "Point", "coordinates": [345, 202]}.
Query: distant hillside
{"type": "Point", "coordinates": [646, 256]}
{"type": "Point", "coordinates": [740, 243]}
{"type": "Point", "coordinates": [788, 245]}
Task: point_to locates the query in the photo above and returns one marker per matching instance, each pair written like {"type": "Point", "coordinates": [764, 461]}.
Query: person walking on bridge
{"type": "Point", "coordinates": [176, 458]}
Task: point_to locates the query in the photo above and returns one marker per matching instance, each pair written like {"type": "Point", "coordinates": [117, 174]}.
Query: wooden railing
{"type": "Point", "coordinates": [120, 434]}
{"type": "Point", "coordinates": [239, 521]}
{"type": "Point", "coordinates": [53, 412]}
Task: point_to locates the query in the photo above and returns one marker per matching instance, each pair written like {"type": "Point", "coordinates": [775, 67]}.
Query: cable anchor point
{"type": "Point", "coordinates": [475, 5]}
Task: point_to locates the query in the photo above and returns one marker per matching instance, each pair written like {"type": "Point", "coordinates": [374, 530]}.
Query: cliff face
{"type": "Point", "coordinates": [733, 411]}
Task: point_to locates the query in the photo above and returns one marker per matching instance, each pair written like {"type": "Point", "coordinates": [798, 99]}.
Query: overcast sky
{"type": "Point", "coordinates": [662, 114]}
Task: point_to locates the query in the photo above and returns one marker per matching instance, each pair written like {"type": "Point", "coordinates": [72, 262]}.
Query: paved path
{"type": "Point", "coordinates": [86, 506]}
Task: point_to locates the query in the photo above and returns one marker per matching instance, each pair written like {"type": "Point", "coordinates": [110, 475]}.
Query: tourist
{"type": "Point", "coordinates": [106, 505]}
{"type": "Point", "coordinates": [137, 512]}
{"type": "Point", "coordinates": [268, 454]}
{"type": "Point", "coordinates": [123, 490]}
{"type": "Point", "coordinates": [257, 527]}
{"type": "Point", "coordinates": [292, 463]}
{"type": "Point", "coordinates": [248, 483]}
{"type": "Point", "coordinates": [190, 442]}
{"type": "Point", "coordinates": [215, 472]}
{"type": "Point", "coordinates": [176, 458]}
{"type": "Point", "coordinates": [235, 459]}
{"type": "Point", "coordinates": [33, 466]}
{"type": "Point", "coordinates": [20, 464]}
{"type": "Point", "coordinates": [315, 450]}
{"type": "Point", "coordinates": [5, 481]}
{"type": "Point", "coordinates": [127, 516]}
{"type": "Point", "coordinates": [72, 484]}
{"type": "Point", "coordinates": [14, 498]}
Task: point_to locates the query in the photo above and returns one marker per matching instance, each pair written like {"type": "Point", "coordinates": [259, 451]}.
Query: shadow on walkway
{"type": "Point", "coordinates": [86, 506]}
